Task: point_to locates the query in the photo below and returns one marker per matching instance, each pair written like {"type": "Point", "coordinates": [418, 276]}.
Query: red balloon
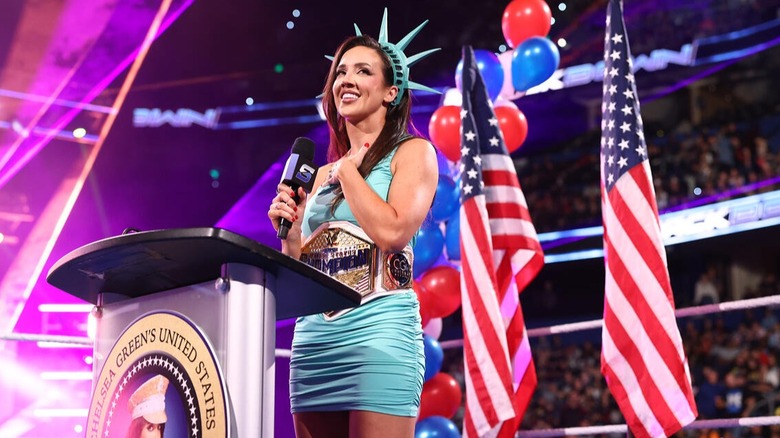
{"type": "Point", "coordinates": [422, 297]}
{"type": "Point", "coordinates": [524, 19]}
{"type": "Point", "coordinates": [441, 284]}
{"type": "Point", "coordinates": [513, 125]}
{"type": "Point", "coordinates": [444, 130]}
{"type": "Point", "coordinates": [441, 395]}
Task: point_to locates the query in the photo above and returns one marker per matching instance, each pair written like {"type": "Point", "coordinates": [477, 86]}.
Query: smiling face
{"type": "Point", "coordinates": [360, 89]}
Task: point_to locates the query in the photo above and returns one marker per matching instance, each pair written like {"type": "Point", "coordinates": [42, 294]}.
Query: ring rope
{"type": "Point", "coordinates": [622, 428]}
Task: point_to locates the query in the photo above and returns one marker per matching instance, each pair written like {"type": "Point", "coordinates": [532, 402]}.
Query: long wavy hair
{"type": "Point", "coordinates": [397, 121]}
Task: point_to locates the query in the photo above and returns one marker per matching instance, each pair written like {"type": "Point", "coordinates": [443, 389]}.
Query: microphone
{"type": "Point", "coordinates": [300, 171]}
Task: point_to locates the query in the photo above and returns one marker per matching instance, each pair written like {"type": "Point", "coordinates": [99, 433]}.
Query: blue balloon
{"type": "Point", "coordinates": [452, 236]}
{"type": "Point", "coordinates": [428, 248]}
{"type": "Point", "coordinates": [489, 67]}
{"type": "Point", "coordinates": [533, 62]}
{"type": "Point", "coordinates": [433, 356]}
{"type": "Point", "coordinates": [446, 200]}
{"type": "Point", "coordinates": [435, 427]}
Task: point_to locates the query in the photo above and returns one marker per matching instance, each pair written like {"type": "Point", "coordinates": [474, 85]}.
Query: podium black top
{"type": "Point", "coordinates": [142, 263]}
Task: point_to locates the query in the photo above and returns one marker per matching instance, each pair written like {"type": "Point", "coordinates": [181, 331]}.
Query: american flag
{"type": "Point", "coordinates": [642, 357]}
{"type": "Point", "coordinates": [500, 255]}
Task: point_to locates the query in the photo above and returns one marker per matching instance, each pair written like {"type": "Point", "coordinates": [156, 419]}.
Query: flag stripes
{"type": "Point", "coordinates": [500, 255]}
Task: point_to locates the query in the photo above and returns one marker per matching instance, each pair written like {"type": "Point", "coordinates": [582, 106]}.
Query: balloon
{"type": "Point", "coordinates": [433, 356]}
{"type": "Point", "coordinates": [442, 284]}
{"type": "Point", "coordinates": [433, 328]}
{"type": "Point", "coordinates": [502, 101]}
{"type": "Point", "coordinates": [533, 62]}
{"type": "Point", "coordinates": [446, 200]}
{"type": "Point", "coordinates": [490, 68]}
{"type": "Point", "coordinates": [430, 243]}
{"type": "Point", "coordinates": [452, 237]}
{"type": "Point", "coordinates": [524, 19]}
{"type": "Point", "coordinates": [436, 427]}
{"type": "Point", "coordinates": [422, 297]}
{"type": "Point", "coordinates": [441, 395]}
{"type": "Point", "coordinates": [444, 130]}
{"type": "Point", "coordinates": [513, 125]}
{"type": "Point", "coordinates": [453, 97]}
{"type": "Point", "coordinates": [508, 90]}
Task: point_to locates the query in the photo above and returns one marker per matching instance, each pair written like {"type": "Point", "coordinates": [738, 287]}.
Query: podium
{"type": "Point", "coordinates": [198, 306]}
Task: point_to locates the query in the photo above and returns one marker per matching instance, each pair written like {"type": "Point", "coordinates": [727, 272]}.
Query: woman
{"type": "Point", "coordinates": [360, 373]}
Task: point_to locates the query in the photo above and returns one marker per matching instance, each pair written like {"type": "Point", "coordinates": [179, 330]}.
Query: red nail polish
{"type": "Point", "coordinates": [295, 208]}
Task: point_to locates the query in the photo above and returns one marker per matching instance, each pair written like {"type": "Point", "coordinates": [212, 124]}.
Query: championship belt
{"type": "Point", "coordinates": [345, 252]}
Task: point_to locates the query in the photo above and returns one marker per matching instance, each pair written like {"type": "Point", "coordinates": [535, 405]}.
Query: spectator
{"type": "Point", "coordinates": [710, 397]}
{"type": "Point", "coordinates": [705, 291]}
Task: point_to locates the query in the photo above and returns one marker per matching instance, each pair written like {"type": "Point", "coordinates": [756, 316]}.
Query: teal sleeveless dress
{"type": "Point", "coordinates": [372, 357]}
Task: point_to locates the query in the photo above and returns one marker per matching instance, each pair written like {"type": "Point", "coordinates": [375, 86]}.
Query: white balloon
{"type": "Point", "coordinates": [452, 97]}
{"type": "Point", "coordinates": [503, 101]}
{"type": "Point", "coordinates": [433, 328]}
{"type": "Point", "coordinates": [508, 89]}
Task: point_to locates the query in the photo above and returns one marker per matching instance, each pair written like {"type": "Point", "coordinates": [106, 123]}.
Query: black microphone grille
{"type": "Point", "coordinates": [304, 147]}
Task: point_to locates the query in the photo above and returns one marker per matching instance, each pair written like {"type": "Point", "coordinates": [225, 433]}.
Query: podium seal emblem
{"type": "Point", "coordinates": [161, 373]}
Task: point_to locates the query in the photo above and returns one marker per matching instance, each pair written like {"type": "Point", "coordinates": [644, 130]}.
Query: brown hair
{"type": "Point", "coordinates": [397, 121]}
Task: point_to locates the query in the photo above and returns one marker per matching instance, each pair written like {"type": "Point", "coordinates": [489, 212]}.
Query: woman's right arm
{"type": "Point", "coordinates": [284, 206]}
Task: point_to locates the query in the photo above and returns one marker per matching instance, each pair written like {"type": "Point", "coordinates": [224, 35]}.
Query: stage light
{"type": "Point", "coordinates": [60, 413]}
{"type": "Point", "coordinates": [552, 21]}
{"type": "Point", "coordinates": [279, 68]}
{"type": "Point", "coordinates": [249, 101]}
{"type": "Point", "coordinates": [91, 325]}
{"type": "Point", "coordinates": [215, 184]}
{"type": "Point", "coordinates": [290, 25]}
{"type": "Point", "coordinates": [214, 173]}
{"type": "Point", "coordinates": [79, 132]}
{"type": "Point", "coordinates": [561, 7]}
{"type": "Point", "coordinates": [561, 42]}
{"type": "Point", "coordinates": [66, 375]}
{"type": "Point", "coordinates": [502, 48]}
{"type": "Point", "coordinates": [64, 308]}
{"type": "Point", "coordinates": [697, 191]}
{"type": "Point", "coordinates": [296, 13]}
{"type": "Point", "coordinates": [19, 129]}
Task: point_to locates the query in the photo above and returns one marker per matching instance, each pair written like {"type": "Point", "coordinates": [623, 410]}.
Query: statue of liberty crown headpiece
{"type": "Point", "coordinates": [398, 58]}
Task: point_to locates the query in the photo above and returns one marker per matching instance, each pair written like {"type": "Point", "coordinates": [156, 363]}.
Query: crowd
{"type": "Point", "coordinates": [668, 24]}
{"type": "Point", "coordinates": [733, 359]}
{"type": "Point", "coordinates": [717, 160]}
{"type": "Point", "coordinates": [733, 363]}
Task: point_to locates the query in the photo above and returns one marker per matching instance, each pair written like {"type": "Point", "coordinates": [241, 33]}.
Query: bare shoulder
{"type": "Point", "coordinates": [416, 150]}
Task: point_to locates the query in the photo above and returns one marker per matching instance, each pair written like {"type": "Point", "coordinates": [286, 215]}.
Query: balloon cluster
{"type": "Point", "coordinates": [532, 60]}
{"type": "Point", "coordinates": [439, 293]}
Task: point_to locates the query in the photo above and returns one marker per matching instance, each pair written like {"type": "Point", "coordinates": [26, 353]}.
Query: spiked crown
{"type": "Point", "coordinates": [398, 59]}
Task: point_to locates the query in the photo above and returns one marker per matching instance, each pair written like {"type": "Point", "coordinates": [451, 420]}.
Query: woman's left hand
{"type": "Point", "coordinates": [335, 171]}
